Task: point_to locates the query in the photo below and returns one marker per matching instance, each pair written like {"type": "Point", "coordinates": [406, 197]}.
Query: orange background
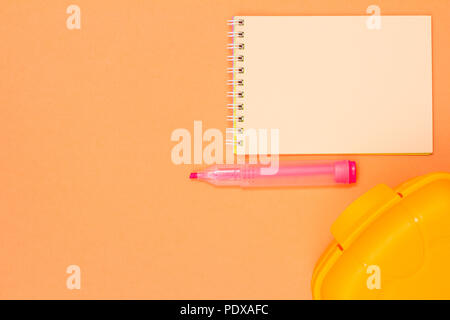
{"type": "Point", "coordinates": [86, 176]}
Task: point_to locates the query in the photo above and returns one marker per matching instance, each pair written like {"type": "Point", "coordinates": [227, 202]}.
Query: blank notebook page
{"type": "Point", "coordinates": [331, 85]}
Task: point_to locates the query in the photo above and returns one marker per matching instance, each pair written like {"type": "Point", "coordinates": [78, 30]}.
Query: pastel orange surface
{"type": "Point", "coordinates": [86, 176]}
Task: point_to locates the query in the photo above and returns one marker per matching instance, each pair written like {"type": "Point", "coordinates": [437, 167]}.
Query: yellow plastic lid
{"type": "Point", "coordinates": [390, 244]}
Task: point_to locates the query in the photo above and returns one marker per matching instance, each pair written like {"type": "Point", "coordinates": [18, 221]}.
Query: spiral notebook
{"type": "Point", "coordinates": [331, 85]}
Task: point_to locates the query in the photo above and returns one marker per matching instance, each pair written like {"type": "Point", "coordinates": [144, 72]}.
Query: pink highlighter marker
{"type": "Point", "coordinates": [289, 173]}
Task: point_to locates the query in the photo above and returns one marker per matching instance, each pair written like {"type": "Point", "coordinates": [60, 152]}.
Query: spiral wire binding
{"type": "Point", "coordinates": [238, 106]}
{"type": "Point", "coordinates": [236, 58]}
{"type": "Point", "coordinates": [234, 134]}
{"type": "Point", "coordinates": [233, 82]}
{"type": "Point", "coordinates": [236, 22]}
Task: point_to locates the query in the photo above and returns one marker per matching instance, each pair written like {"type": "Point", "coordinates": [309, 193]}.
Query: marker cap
{"type": "Point", "coordinates": [345, 171]}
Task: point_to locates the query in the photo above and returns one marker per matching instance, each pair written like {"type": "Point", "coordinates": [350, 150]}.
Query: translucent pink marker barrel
{"type": "Point", "coordinates": [289, 173]}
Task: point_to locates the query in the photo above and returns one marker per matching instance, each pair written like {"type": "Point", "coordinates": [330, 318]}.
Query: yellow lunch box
{"type": "Point", "coordinates": [390, 244]}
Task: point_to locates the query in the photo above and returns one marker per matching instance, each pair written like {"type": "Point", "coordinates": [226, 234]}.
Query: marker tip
{"type": "Point", "coordinates": [193, 175]}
